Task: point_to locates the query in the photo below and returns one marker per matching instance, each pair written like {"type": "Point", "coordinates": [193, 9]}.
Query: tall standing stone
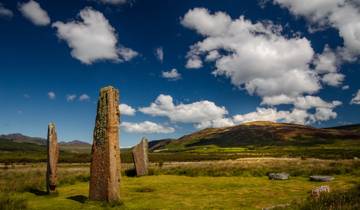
{"type": "Point", "coordinates": [140, 155]}
{"type": "Point", "coordinates": [105, 161]}
{"type": "Point", "coordinates": [52, 158]}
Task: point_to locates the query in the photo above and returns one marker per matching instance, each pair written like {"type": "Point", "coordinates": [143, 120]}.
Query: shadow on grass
{"type": "Point", "coordinates": [78, 198]}
{"type": "Point", "coordinates": [38, 192]}
{"type": "Point", "coordinates": [144, 189]}
{"type": "Point", "coordinates": [130, 172]}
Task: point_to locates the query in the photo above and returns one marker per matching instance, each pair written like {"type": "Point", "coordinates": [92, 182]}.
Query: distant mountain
{"type": "Point", "coordinates": [75, 142]}
{"type": "Point", "coordinates": [75, 146]}
{"type": "Point", "coordinates": [20, 138]}
{"type": "Point", "coordinates": [261, 133]}
{"type": "Point", "coordinates": [18, 141]}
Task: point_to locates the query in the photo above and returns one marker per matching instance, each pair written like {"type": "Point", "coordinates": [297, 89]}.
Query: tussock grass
{"type": "Point", "coordinates": [12, 202]}
{"type": "Point", "coordinates": [260, 167]}
{"type": "Point", "coordinates": [336, 200]}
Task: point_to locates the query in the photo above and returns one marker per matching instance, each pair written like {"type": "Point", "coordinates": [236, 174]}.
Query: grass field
{"type": "Point", "coordinates": [181, 192]}
{"type": "Point", "coordinates": [243, 184]}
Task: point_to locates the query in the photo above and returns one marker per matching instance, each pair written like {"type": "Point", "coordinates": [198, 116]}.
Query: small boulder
{"type": "Point", "coordinates": [278, 176]}
{"type": "Point", "coordinates": [315, 193]}
{"type": "Point", "coordinates": [321, 178]}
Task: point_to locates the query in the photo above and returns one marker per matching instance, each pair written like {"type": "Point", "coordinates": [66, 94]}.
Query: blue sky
{"type": "Point", "coordinates": [179, 66]}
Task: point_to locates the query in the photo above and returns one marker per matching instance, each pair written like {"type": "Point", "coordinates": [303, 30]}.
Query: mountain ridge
{"type": "Point", "coordinates": [263, 133]}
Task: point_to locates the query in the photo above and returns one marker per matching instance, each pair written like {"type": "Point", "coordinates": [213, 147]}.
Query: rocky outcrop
{"type": "Point", "coordinates": [140, 155]}
{"type": "Point", "coordinates": [52, 158]}
{"type": "Point", "coordinates": [315, 193]}
{"type": "Point", "coordinates": [321, 178]}
{"type": "Point", "coordinates": [105, 160]}
{"type": "Point", "coordinates": [278, 176]}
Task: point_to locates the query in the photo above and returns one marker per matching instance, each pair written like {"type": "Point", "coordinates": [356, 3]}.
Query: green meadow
{"type": "Point", "coordinates": [229, 184]}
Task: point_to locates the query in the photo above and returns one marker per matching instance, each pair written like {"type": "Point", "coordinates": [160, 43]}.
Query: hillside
{"type": "Point", "coordinates": [262, 133]}
{"type": "Point", "coordinates": [353, 128]}
{"type": "Point", "coordinates": [20, 142]}
{"type": "Point", "coordinates": [20, 138]}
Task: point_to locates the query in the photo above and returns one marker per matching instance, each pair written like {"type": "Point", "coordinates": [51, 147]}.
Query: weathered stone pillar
{"type": "Point", "coordinates": [105, 159]}
{"type": "Point", "coordinates": [140, 155]}
{"type": "Point", "coordinates": [52, 158]}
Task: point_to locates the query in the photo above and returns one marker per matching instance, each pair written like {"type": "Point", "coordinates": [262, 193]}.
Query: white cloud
{"type": "Point", "coordinates": [194, 62]}
{"type": "Point", "coordinates": [343, 15]}
{"type": "Point", "coordinates": [277, 100]}
{"type": "Point", "coordinates": [326, 62]}
{"type": "Point", "coordinates": [126, 110]}
{"type": "Point", "coordinates": [323, 114]}
{"type": "Point", "coordinates": [84, 97]}
{"type": "Point", "coordinates": [146, 127]}
{"type": "Point", "coordinates": [309, 102]}
{"type": "Point", "coordinates": [92, 38]}
{"type": "Point", "coordinates": [298, 116]}
{"type": "Point", "coordinates": [70, 97]}
{"type": "Point", "coordinates": [345, 87]}
{"type": "Point", "coordinates": [173, 74]}
{"type": "Point", "coordinates": [301, 102]}
{"type": "Point", "coordinates": [333, 79]}
{"type": "Point", "coordinates": [33, 11]}
{"type": "Point", "coordinates": [159, 53]}
{"type": "Point", "coordinates": [253, 55]}
{"type": "Point", "coordinates": [356, 99]}
{"type": "Point", "coordinates": [4, 12]}
{"type": "Point", "coordinates": [114, 2]}
{"type": "Point", "coordinates": [217, 123]}
{"type": "Point", "coordinates": [51, 95]}
{"type": "Point", "coordinates": [261, 114]}
{"type": "Point", "coordinates": [197, 112]}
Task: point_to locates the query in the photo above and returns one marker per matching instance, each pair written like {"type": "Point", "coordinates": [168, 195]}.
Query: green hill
{"type": "Point", "coordinates": [262, 133]}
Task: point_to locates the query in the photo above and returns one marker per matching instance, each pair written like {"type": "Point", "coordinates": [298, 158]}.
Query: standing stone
{"type": "Point", "coordinates": [52, 158]}
{"type": "Point", "coordinates": [140, 155]}
{"type": "Point", "coordinates": [105, 159]}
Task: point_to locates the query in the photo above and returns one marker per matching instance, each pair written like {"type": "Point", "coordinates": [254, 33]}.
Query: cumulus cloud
{"type": "Point", "coordinates": [146, 127]}
{"type": "Point", "coordinates": [173, 74]}
{"type": "Point", "coordinates": [198, 112]}
{"type": "Point", "coordinates": [298, 116]}
{"type": "Point", "coordinates": [300, 113]}
{"type": "Point", "coordinates": [159, 53]}
{"type": "Point", "coordinates": [193, 62]}
{"type": "Point", "coordinates": [33, 11]}
{"type": "Point", "coordinates": [84, 97]}
{"type": "Point", "coordinates": [345, 87]}
{"type": "Point", "coordinates": [51, 95]}
{"type": "Point", "coordinates": [356, 99]}
{"type": "Point", "coordinates": [217, 123]}
{"type": "Point", "coordinates": [253, 55]}
{"type": "Point", "coordinates": [126, 110]}
{"type": "Point", "coordinates": [344, 15]}
{"type": "Point", "coordinates": [326, 62]}
{"type": "Point", "coordinates": [70, 97]}
{"type": "Point", "coordinates": [261, 114]}
{"type": "Point", "coordinates": [5, 12]}
{"type": "Point", "coordinates": [333, 79]}
{"type": "Point", "coordinates": [92, 38]}
{"type": "Point", "coordinates": [301, 102]}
